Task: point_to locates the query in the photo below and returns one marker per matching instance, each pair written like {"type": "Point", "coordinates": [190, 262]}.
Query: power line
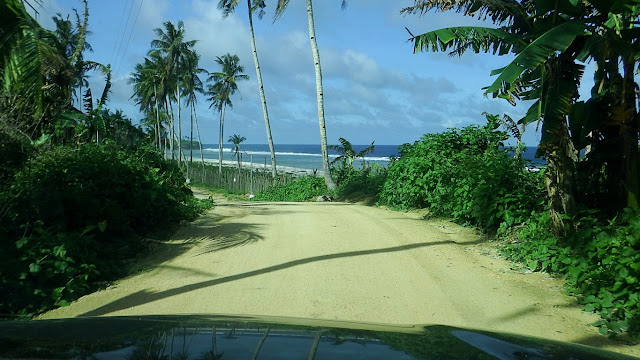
{"type": "Point", "coordinates": [124, 30]}
{"type": "Point", "coordinates": [135, 21]}
{"type": "Point", "coordinates": [115, 43]}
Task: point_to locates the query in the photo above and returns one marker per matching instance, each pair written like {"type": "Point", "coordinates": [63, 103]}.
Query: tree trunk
{"type": "Point", "coordinates": [267, 124]}
{"type": "Point", "coordinates": [195, 115]}
{"type": "Point", "coordinates": [221, 139]}
{"type": "Point", "coordinates": [319, 92]}
{"type": "Point", "coordinates": [191, 138]}
{"type": "Point", "coordinates": [179, 125]}
{"type": "Point", "coordinates": [171, 131]}
{"type": "Point", "coordinates": [630, 133]}
{"type": "Point", "coordinates": [155, 96]}
{"type": "Point", "coordinates": [560, 156]}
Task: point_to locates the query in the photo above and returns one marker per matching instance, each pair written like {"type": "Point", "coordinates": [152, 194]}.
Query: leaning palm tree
{"type": "Point", "coordinates": [224, 85]}
{"type": "Point", "coordinates": [227, 7]}
{"type": "Point", "coordinates": [281, 7]}
{"type": "Point", "coordinates": [235, 150]}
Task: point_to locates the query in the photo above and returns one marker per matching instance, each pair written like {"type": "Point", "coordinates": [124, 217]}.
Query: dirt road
{"type": "Point", "coordinates": [341, 261]}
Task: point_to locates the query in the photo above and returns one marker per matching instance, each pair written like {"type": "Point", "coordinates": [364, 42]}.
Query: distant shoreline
{"type": "Point", "coordinates": [261, 167]}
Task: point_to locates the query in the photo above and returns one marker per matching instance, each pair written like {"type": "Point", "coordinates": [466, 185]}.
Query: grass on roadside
{"type": "Point", "coordinates": [230, 194]}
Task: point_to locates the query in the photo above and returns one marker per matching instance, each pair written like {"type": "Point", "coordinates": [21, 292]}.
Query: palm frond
{"type": "Point", "coordinates": [227, 7]}
{"type": "Point", "coordinates": [366, 151]}
{"type": "Point", "coordinates": [280, 8]}
{"type": "Point", "coordinates": [499, 11]}
{"type": "Point", "coordinates": [457, 40]}
{"type": "Point", "coordinates": [107, 87]}
{"type": "Point", "coordinates": [82, 35]}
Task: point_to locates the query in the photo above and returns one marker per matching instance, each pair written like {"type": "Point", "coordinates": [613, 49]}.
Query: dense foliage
{"type": "Point", "coordinates": [362, 184]}
{"type": "Point", "coordinates": [305, 188]}
{"type": "Point", "coordinates": [464, 173]}
{"type": "Point", "coordinates": [590, 146]}
{"type": "Point", "coordinates": [601, 262]}
{"type": "Point", "coordinates": [550, 42]}
{"type": "Point", "coordinates": [74, 215]}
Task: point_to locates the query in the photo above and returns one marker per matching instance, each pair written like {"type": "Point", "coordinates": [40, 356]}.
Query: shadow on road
{"type": "Point", "coordinates": [144, 296]}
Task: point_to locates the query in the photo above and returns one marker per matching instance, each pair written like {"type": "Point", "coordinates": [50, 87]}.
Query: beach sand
{"type": "Point", "coordinates": [261, 167]}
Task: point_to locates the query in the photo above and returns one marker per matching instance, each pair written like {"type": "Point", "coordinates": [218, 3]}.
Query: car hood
{"type": "Point", "coordinates": [249, 337]}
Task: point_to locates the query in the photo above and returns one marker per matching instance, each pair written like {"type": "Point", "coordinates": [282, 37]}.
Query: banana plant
{"type": "Point", "coordinates": [348, 154]}
{"type": "Point", "coordinates": [550, 39]}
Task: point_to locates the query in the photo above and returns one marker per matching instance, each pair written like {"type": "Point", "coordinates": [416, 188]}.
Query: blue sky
{"type": "Point", "coordinates": [375, 87]}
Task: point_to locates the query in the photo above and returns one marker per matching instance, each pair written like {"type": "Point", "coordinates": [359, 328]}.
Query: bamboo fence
{"type": "Point", "coordinates": [244, 180]}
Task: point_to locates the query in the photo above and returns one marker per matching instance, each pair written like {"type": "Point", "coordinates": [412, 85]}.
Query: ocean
{"type": "Point", "coordinates": [305, 156]}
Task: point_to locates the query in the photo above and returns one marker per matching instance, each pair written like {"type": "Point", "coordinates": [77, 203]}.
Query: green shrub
{"type": "Point", "coordinates": [601, 262]}
{"type": "Point", "coordinates": [534, 245]}
{"type": "Point", "coordinates": [361, 184]}
{"type": "Point", "coordinates": [74, 215]}
{"type": "Point", "coordinates": [466, 174]}
{"type": "Point", "coordinates": [305, 188]}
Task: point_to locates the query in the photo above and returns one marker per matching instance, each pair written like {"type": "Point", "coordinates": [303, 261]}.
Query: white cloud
{"type": "Point", "coordinates": [217, 36]}
{"type": "Point", "coordinates": [152, 13]}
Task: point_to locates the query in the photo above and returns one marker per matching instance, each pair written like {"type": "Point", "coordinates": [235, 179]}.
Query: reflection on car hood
{"type": "Point", "coordinates": [237, 337]}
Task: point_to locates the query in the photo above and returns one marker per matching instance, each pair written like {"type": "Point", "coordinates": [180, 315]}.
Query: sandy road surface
{"type": "Point", "coordinates": [341, 261]}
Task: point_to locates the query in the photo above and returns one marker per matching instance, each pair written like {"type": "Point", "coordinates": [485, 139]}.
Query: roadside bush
{"type": "Point", "coordinates": [14, 154]}
{"type": "Point", "coordinates": [467, 174]}
{"type": "Point", "coordinates": [601, 262]}
{"type": "Point", "coordinates": [73, 216]}
{"type": "Point", "coordinates": [362, 184]}
{"type": "Point", "coordinates": [305, 188]}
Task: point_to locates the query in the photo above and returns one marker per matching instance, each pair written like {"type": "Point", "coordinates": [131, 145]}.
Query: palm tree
{"type": "Point", "coordinates": [68, 37]}
{"type": "Point", "coordinates": [171, 44]}
{"type": "Point", "coordinates": [30, 47]}
{"type": "Point", "coordinates": [225, 85]}
{"type": "Point", "coordinates": [281, 7]}
{"type": "Point", "coordinates": [235, 150]}
{"type": "Point", "coordinates": [191, 85]}
{"type": "Point", "coordinates": [228, 6]}
{"type": "Point", "coordinates": [348, 153]}
{"type": "Point", "coordinates": [37, 70]}
{"type": "Point", "coordinates": [149, 90]}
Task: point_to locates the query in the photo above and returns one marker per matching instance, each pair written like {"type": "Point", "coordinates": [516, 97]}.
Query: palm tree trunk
{"type": "Point", "coordinates": [191, 139]}
{"type": "Point", "coordinates": [221, 139]}
{"type": "Point", "coordinates": [164, 148]}
{"type": "Point", "coordinates": [195, 115]}
{"type": "Point", "coordinates": [319, 91]}
{"type": "Point", "coordinates": [267, 123]}
{"type": "Point", "coordinates": [172, 130]}
{"type": "Point", "coordinates": [179, 124]}
{"type": "Point", "coordinates": [155, 96]}
{"type": "Point", "coordinates": [630, 134]}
